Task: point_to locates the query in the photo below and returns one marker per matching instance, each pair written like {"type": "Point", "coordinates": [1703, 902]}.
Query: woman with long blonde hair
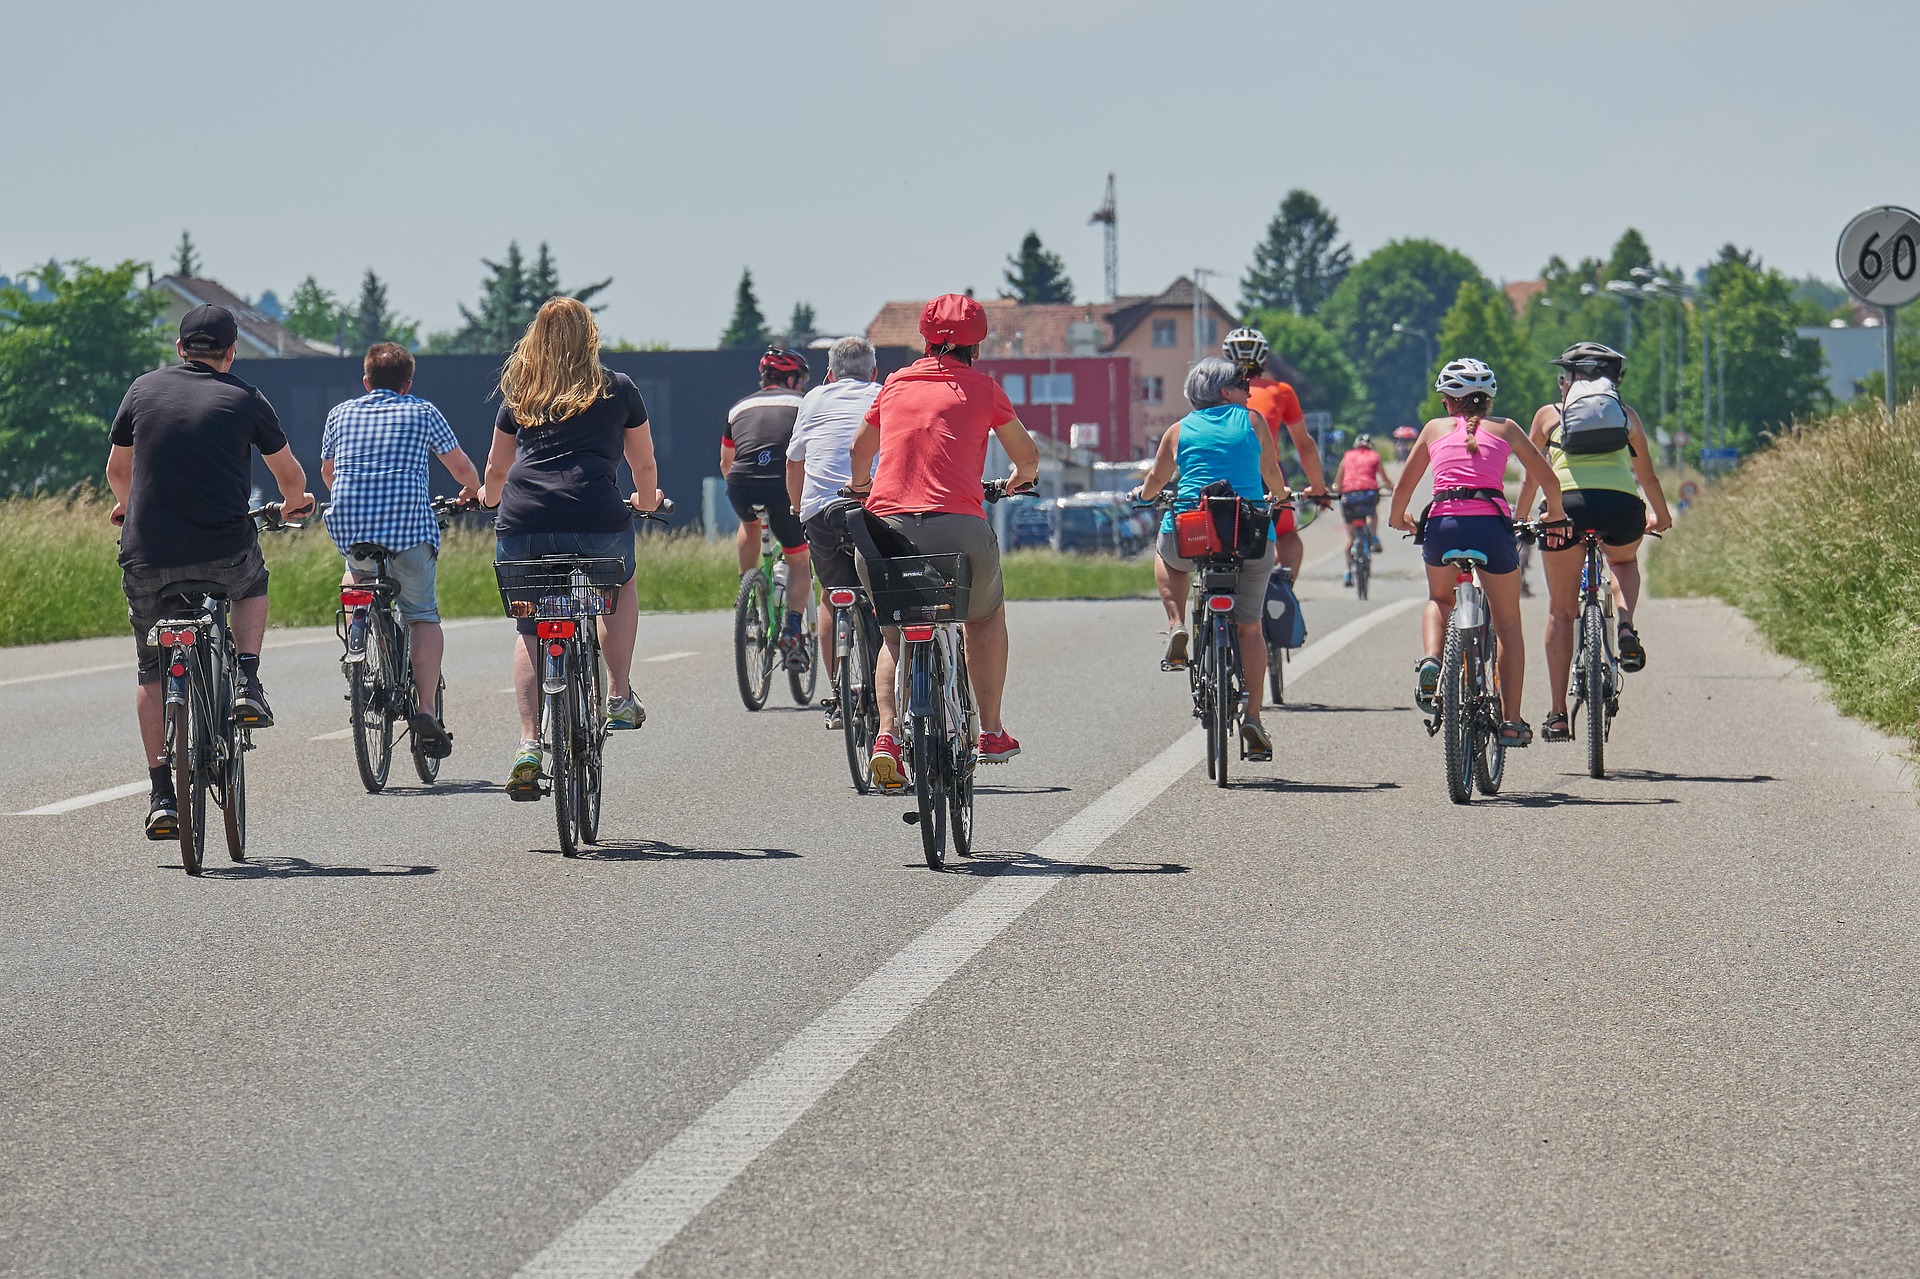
{"type": "Point", "coordinates": [565, 424]}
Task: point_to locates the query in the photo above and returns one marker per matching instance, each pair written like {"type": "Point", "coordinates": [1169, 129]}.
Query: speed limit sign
{"type": "Point", "coordinates": [1879, 256]}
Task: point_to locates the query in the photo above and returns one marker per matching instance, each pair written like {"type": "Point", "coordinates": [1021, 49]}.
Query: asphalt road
{"type": "Point", "coordinates": [1324, 1023]}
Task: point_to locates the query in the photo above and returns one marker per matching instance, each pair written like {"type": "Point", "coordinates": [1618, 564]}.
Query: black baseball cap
{"type": "Point", "coordinates": [208, 329]}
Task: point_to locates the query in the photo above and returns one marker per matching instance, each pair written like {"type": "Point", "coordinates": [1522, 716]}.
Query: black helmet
{"type": "Point", "coordinates": [1592, 357]}
{"type": "Point", "coordinates": [781, 362]}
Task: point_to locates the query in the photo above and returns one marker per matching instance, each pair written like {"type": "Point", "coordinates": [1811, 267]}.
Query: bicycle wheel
{"type": "Point", "coordinates": [1456, 718]}
{"type": "Point", "coordinates": [1277, 674]}
{"type": "Point", "coordinates": [929, 768]}
{"type": "Point", "coordinates": [852, 684]}
{"type": "Point", "coordinates": [803, 684]}
{"type": "Point", "coordinates": [425, 765]}
{"type": "Point", "coordinates": [560, 740]}
{"type": "Point", "coordinates": [1207, 692]}
{"type": "Point", "coordinates": [963, 754]}
{"type": "Point", "coordinates": [1490, 761]}
{"type": "Point", "coordinates": [180, 730]}
{"type": "Point", "coordinates": [1362, 565]}
{"type": "Point", "coordinates": [752, 645]}
{"type": "Point", "coordinates": [1226, 699]}
{"type": "Point", "coordinates": [367, 694]}
{"type": "Point", "coordinates": [1593, 688]}
{"type": "Point", "coordinates": [590, 759]}
{"type": "Point", "coordinates": [232, 741]}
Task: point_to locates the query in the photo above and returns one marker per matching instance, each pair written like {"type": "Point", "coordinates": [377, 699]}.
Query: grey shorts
{"type": "Point", "coordinates": [415, 571]}
{"type": "Point", "coordinates": [1249, 592]}
{"type": "Point", "coordinates": [944, 533]}
{"type": "Point", "coordinates": [239, 577]}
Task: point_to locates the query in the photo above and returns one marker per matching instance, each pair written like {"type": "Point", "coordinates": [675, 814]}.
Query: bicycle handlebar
{"type": "Point", "coordinates": [268, 518]}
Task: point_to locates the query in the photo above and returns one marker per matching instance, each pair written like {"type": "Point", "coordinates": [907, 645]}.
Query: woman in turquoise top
{"type": "Point", "coordinates": [1222, 439]}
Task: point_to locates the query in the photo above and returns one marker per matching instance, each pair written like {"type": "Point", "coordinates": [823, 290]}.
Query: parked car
{"type": "Point", "coordinates": [1029, 522]}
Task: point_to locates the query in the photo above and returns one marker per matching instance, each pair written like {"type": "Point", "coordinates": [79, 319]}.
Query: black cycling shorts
{"type": "Point", "coordinates": [1359, 504]}
{"type": "Point", "coordinates": [832, 547]}
{"type": "Point", "coordinates": [1619, 518]}
{"type": "Point", "coordinates": [744, 495]}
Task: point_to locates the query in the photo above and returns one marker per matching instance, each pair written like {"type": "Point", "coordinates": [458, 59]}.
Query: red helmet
{"type": "Point", "coordinates": [782, 363]}
{"type": "Point", "coordinates": [954, 319]}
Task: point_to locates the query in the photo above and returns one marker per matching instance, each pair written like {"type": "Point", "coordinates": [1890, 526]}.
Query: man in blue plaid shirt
{"type": "Point", "coordinates": [374, 459]}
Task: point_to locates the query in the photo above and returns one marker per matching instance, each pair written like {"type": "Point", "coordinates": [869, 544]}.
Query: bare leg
{"type": "Point", "coordinates": [987, 663]}
{"type": "Point", "coordinates": [1173, 586]}
{"type": "Point", "coordinates": [1433, 624]}
{"type": "Point", "coordinates": [1288, 552]}
{"type": "Point", "coordinates": [1253, 665]}
{"type": "Point", "coordinates": [799, 579]}
{"type": "Point", "coordinates": [151, 704]}
{"type": "Point", "coordinates": [746, 540]}
{"type": "Point", "coordinates": [828, 657]}
{"type": "Point", "coordinates": [429, 645]}
{"type": "Point", "coordinates": [618, 630]}
{"type": "Point", "coordinates": [526, 687]}
{"type": "Point", "coordinates": [1503, 602]}
{"type": "Point", "coordinates": [1625, 562]}
{"type": "Point", "coordinates": [1563, 618]}
{"type": "Point", "coordinates": [249, 624]}
{"type": "Point", "coordinates": [886, 689]}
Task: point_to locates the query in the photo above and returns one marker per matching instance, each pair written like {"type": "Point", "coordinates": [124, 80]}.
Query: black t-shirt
{"type": "Point", "coordinates": [759, 427]}
{"type": "Point", "coordinates": [565, 475]}
{"type": "Point", "coordinates": [193, 432]}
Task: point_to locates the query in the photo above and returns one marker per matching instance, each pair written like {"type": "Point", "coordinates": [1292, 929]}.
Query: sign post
{"type": "Point", "coordinates": [1879, 260]}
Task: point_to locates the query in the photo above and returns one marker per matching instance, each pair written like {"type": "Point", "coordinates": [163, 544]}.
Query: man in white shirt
{"type": "Point", "coordinates": [819, 466]}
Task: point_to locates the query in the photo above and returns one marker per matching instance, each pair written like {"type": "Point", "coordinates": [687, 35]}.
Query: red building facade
{"type": "Point", "coordinates": [1083, 401]}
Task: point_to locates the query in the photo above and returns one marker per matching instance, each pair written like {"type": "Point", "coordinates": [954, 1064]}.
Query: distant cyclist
{"type": "Point", "coordinates": [1277, 404]}
{"type": "Point", "coordinates": [1601, 459]}
{"type": "Point", "coordinates": [1360, 482]}
{"type": "Point", "coordinates": [930, 425]}
{"type": "Point", "coordinates": [1469, 452]}
{"type": "Point", "coordinates": [753, 457]}
{"type": "Point", "coordinates": [1222, 440]}
{"type": "Point", "coordinates": [565, 425]}
{"type": "Point", "coordinates": [820, 464]}
{"type": "Point", "coordinates": [373, 456]}
{"type": "Point", "coordinates": [181, 469]}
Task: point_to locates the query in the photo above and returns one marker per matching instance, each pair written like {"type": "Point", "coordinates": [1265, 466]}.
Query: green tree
{"type": "Point", "coordinates": [747, 330]}
{"type": "Point", "coordinates": [543, 284]}
{"type": "Point", "coordinates": [510, 295]}
{"type": "Point", "coordinates": [1630, 251]}
{"type": "Point", "coordinates": [1481, 326]}
{"type": "Point", "coordinates": [315, 313]}
{"type": "Point", "coordinates": [186, 258]}
{"type": "Point", "coordinates": [65, 363]}
{"type": "Point", "coordinates": [1298, 266]}
{"type": "Point", "coordinates": [1328, 382]}
{"type": "Point", "coordinates": [1773, 375]}
{"type": "Point", "coordinates": [1036, 275]}
{"type": "Point", "coordinates": [800, 325]}
{"type": "Point", "coordinates": [375, 322]}
{"type": "Point", "coordinates": [1409, 283]}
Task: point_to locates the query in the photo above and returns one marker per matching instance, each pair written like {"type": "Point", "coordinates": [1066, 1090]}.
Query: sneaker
{"type": "Point", "coordinates": [1349, 578]}
{"type": "Point", "coordinates": [163, 818]}
{"type": "Point", "coordinates": [1376, 545]}
{"type": "Point", "coordinates": [625, 712]}
{"type": "Point", "coordinates": [250, 707]}
{"type": "Point", "coordinates": [524, 783]}
{"type": "Point", "coordinates": [832, 708]}
{"type": "Point", "coordinates": [1255, 745]}
{"type": "Point", "coordinates": [998, 748]}
{"type": "Point", "coordinates": [1633, 654]}
{"type": "Point", "coordinates": [884, 765]}
{"type": "Point", "coordinates": [1175, 658]}
{"type": "Point", "coordinates": [430, 735]}
{"type": "Point", "coordinates": [1429, 687]}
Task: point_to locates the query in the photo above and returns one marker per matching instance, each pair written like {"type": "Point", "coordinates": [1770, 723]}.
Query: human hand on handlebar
{"type": "Point", "coordinates": [297, 507]}
{"type": "Point", "coordinates": [1404, 522]}
{"type": "Point", "coordinates": [652, 504]}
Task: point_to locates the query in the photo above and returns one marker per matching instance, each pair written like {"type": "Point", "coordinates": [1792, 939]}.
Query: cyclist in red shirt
{"type": "Point", "coordinates": [1360, 483]}
{"type": "Point", "coordinates": [930, 425]}
{"type": "Point", "coordinates": [1276, 402]}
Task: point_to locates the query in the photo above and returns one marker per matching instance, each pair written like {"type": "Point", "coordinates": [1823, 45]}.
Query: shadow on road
{"type": "Point", "coordinates": [1308, 788]}
{"type": "Point", "coordinates": [978, 789]}
{"type": "Point", "coordinates": [1560, 799]}
{"type": "Point", "coordinates": [301, 868]}
{"type": "Point", "coordinates": [990, 865]}
{"type": "Point", "coordinates": [654, 850]}
{"type": "Point", "coordinates": [461, 787]}
{"type": "Point", "coordinates": [1654, 775]}
{"type": "Point", "coordinates": [1322, 708]}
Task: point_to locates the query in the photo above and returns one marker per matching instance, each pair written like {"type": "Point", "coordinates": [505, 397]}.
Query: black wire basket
{"type": "Point", "coordinates": [547, 587]}
{"type": "Point", "coordinates": [917, 589]}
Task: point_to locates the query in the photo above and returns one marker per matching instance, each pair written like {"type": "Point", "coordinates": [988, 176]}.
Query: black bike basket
{"type": "Point", "coordinates": [545, 588]}
{"type": "Point", "coordinates": [917, 589]}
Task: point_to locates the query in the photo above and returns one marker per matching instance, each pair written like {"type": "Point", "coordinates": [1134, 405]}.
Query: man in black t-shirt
{"type": "Point", "coordinates": [181, 471]}
{"type": "Point", "coordinates": [753, 458]}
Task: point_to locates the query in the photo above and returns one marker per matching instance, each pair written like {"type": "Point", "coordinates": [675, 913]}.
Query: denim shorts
{"type": "Point", "coordinates": [415, 571]}
{"type": "Point", "coordinates": [1488, 534]}
{"type": "Point", "coordinates": [593, 546]}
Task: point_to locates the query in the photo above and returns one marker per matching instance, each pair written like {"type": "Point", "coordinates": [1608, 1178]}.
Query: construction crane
{"type": "Point", "coordinates": [1107, 215]}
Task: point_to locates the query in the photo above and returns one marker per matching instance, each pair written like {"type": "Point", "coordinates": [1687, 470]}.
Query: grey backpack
{"type": "Point", "coordinates": [1592, 418]}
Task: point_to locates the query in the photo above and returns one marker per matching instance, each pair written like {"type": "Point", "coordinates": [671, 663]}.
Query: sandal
{"type": "Point", "coordinates": [1556, 728]}
{"type": "Point", "coordinates": [1516, 734]}
{"type": "Point", "coordinates": [1633, 655]}
{"type": "Point", "coordinates": [1429, 672]}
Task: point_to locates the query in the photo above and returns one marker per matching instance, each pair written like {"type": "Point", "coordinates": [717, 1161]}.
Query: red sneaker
{"type": "Point", "coordinates": [884, 765]}
{"type": "Point", "coordinates": [998, 748]}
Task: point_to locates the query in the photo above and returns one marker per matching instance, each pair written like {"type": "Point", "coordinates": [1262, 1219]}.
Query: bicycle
{"type": "Point", "coordinates": [204, 744]}
{"type": "Point", "coordinates": [758, 611]}
{"type": "Point", "coordinates": [927, 597]}
{"type": "Point", "coordinates": [1597, 677]}
{"type": "Point", "coordinates": [378, 664]}
{"type": "Point", "coordinates": [1360, 548]}
{"type": "Point", "coordinates": [560, 592]}
{"type": "Point", "coordinates": [1466, 712]}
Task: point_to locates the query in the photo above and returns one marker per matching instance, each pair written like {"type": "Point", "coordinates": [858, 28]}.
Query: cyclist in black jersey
{"type": "Point", "coordinates": [753, 457]}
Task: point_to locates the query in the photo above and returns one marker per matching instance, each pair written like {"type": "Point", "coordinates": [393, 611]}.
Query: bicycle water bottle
{"type": "Point", "coordinates": [780, 575]}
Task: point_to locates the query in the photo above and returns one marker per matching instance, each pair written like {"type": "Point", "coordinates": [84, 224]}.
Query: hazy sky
{"type": "Point", "coordinates": [854, 152]}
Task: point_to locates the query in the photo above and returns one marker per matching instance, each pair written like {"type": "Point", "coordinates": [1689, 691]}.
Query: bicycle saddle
{"type": "Point", "coordinates": [1467, 554]}
{"type": "Point", "coordinates": [370, 551]}
{"type": "Point", "coordinates": [193, 592]}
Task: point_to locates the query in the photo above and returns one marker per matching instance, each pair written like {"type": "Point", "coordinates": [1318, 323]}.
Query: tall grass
{"type": "Point", "coordinates": [59, 579]}
{"type": "Point", "coordinates": [1817, 540]}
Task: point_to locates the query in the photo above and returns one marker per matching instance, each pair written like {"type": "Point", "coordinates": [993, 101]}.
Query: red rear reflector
{"type": "Point", "coordinates": [554, 630]}
{"type": "Point", "coordinates": [556, 650]}
{"type": "Point", "coordinates": [917, 634]}
{"type": "Point", "coordinates": [1220, 603]}
{"type": "Point", "coordinates": [840, 599]}
{"type": "Point", "coordinates": [168, 639]}
{"type": "Point", "coordinates": [177, 669]}
{"type": "Point", "coordinates": [353, 598]}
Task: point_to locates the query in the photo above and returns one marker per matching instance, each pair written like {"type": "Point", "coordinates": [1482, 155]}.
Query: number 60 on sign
{"type": "Point", "coordinates": [1879, 256]}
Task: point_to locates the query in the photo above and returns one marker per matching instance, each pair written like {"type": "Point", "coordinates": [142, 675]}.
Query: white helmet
{"type": "Point", "coordinates": [1466, 377]}
{"type": "Point", "coordinates": [1246, 347]}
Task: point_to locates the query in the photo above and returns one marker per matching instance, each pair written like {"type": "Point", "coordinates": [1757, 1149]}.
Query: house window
{"type": "Point", "coordinates": [1153, 390]}
{"type": "Point", "coordinates": [1053, 388]}
{"type": "Point", "coordinates": [1016, 387]}
{"type": "Point", "coordinates": [1165, 332]}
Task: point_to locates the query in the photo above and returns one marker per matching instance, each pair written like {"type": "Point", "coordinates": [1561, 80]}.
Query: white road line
{"type": "Point", "coordinates": [78, 670]}
{"type": "Point", "coordinates": [619, 1235]}
{"type": "Point", "coordinates": [669, 657]}
{"type": "Point", "coordinates": [85, 801]}
{"type": "Point", "coordinates": [337, 735]}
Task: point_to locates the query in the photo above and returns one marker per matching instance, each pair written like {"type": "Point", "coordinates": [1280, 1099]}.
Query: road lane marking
{"type": "Point", "coordinates": [78, 670]}
{"type": "Point", "coordinates": [337, 735]}
{"type": "Point", "coordinates": [86, 801]}
{"type": "Point", "coordinates": [618, 1236]}
{"type": "Point", "coordinates": [669, 657]}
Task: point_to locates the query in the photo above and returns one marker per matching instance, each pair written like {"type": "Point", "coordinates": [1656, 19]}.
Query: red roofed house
{"type": "Point", "coordinates": [261, 337]}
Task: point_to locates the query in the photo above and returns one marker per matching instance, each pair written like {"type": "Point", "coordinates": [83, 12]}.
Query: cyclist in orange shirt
{"type": "Point", "coordinates": [1275, 401]}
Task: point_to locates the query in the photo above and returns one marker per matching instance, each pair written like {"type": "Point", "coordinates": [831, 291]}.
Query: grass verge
{"type": "Point", "coordinates": [1817, 540]}
{"type": "Point", "coordinates": [59, 580]}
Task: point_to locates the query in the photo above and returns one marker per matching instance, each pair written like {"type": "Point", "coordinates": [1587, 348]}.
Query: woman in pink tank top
{"type": "Point", "coordinates": [1469, 452]}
